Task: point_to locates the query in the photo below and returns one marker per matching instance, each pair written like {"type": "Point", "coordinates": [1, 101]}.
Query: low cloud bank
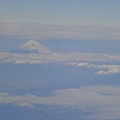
{"type": "Point", "coordinates": [72, 59]}
{"type": "Point", "coordinates": [103, 101]}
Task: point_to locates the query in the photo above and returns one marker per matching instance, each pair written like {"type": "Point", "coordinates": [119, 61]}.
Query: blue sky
{"type": "Point", "coordinates": [65, 12]}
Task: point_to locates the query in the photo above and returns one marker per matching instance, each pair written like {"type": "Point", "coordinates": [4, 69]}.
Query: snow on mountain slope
{"type": "Point", "coordinates": [33, 46]}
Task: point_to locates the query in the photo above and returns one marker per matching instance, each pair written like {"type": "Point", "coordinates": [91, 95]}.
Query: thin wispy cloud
{"type": "Point", "coordinates": [38, 31]}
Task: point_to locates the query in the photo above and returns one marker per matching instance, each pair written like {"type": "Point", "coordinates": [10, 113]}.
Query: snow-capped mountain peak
{"type": "Point", "coordinates": [33, 46]}
{"type": "Point", "coordinates": [30, 45]}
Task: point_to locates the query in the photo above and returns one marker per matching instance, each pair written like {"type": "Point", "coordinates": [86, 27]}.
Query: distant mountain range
{"type": "Point", "coordinates": [32, 46]}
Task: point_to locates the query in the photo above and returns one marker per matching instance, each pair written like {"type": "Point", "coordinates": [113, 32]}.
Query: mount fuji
{"type": "Point", "coordinates": [33, 46]}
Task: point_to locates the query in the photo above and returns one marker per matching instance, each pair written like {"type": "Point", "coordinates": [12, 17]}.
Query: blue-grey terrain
{"type": "Point", "coordinates": [41, 83]}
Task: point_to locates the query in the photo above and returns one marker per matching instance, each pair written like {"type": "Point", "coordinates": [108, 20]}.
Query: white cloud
{"type": "Point", "coordinates": [72, 59]}
{"type": "Point", "coordinates": [56, 57]}
{"type": "Point", "coordinates": [112, 69]}
{"type": "Point", "coordinates": [37, 31]}
{"type": "Point", "coordinates": [83, 64]}
{"type": "Point", "coordinates": [103, 101]}
{"type": "Point", "coordinates": [105, 69]}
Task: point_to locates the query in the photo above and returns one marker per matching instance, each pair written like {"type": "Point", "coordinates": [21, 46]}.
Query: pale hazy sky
{"type": "Point", "coordinates": [65, 12]}
{"type": "Point", "coordinates": [60, 19]}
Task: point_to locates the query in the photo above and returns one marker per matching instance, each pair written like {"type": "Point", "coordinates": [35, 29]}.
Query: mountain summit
{"type": "Point", "coordinates": [33, 46]}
